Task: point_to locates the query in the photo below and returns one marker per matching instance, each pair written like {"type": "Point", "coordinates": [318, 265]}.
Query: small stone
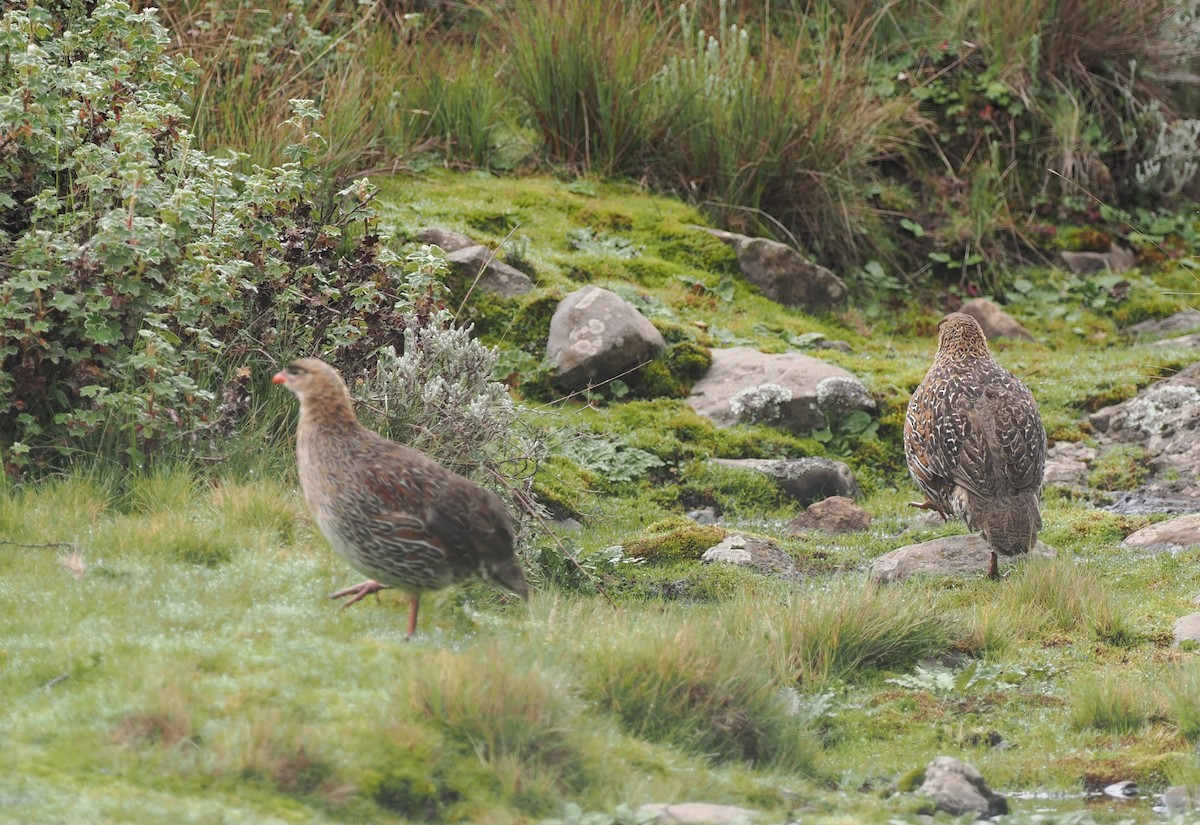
{"type": "Point", "coordinates": [479, 265]}
{"type": "Point", "coordinates": [833, 515]}
{"type": "Point", "coordinates": [705, 515]}
{"type": "Point", "coordinates": [445, 239]}
{"type": "Point", "coordinates": [804, 479]}
{"type": "Point", "coordinates": [958, 788]}
{"type": "Point", "coordinates": [696, 813]}
{"type": "Point", "coordinates": [1179, 799]}
{"type": "Point", "coordinates": [1122, 790]}
{"type": "Point", "coordinates": [756, 553]}
{"type": "Point", "coordinates": [1187, 629]}
{"type": "Point", "coordinates": [996, 323]}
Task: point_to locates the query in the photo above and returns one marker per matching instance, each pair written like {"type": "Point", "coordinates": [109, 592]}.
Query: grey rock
{"type": "Point", "coordinates": [838, 395]}
{"type": "Point", "coordinates": [958, 788]}
{"type": "Point", "coordinates": [803, 479]}
{"type": "Point", "coordinates": [446, 239]}
{"type": "Point", "coordinates": [967, 555]}
{"type": "Point", "coordinates": [1183, 321]}
{"type": "Point", "coordinates": [1179, 799]}
{"type": "Point", "coordinates": [1174, 534]}
{"type": "Point", "coordinates": [1067, 464]}
{"type": "Point", "coordinates": [596, 336]}
{"type": "Point", "coordinates": [1116, 259]}
{"type": "Point", "coordinates": [494, 276]}
{"type": "Point", "coordinates": [1122, 790]}
{"type": "Point", "coordinates": [744, 385]}
{"type": "Point", "coordinates": [1187, 628]}
{"type": "Point", "coordinates": [696, 813]}
{"type": "Point", "coordinates": [1186, 341]}
{"type": "Point", "coordinates": [835, 345]}
{"type": "Point", "coordinates": [756, 553]}
{"type": "Point", "coordinates": [783, 274]}
{"type": "Point", "coordinates": [996, 322]}
{"type": "Point", "coordinates": [705, 515]}
{"type": "Point", "coordinates": [1149, 501]}
{"type": "Point", "coordinates": [834, 515]}
{"type": "Point", "coordinates": [1164, 419]}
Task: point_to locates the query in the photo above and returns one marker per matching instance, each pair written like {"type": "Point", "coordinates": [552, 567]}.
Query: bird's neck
{"type": "Point", "coordinates": [328, 414]}
{"type": "Point", "coordinates": [959, 355]}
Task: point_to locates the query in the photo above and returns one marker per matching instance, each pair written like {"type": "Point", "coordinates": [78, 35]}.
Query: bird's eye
{"type": "Point", "coordinates": [295, 369]}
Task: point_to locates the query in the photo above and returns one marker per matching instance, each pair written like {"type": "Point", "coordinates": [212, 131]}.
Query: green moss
{"type": "Point", "coordinates": [674, 540]}
{"type": "Point", "coordinates": [910, 780]}
{"type": "Point", "coordinates": [563, 487]}
{"type": "Point", "coordinates": [734, 491]}
{"type": "Point", "coordinates": [1122, 467]}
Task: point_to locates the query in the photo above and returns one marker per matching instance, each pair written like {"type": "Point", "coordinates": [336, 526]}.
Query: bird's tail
{"type": "Point", "coordinates": [508, 575]}
{"type": "Point", "coordinates": [1009, 523]}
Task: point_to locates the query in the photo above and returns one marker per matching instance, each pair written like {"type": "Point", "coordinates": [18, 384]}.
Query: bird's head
{"type": "Point", "coordinates": [960, 335]}
{"type": "Point", "coordinates": [311, 379]}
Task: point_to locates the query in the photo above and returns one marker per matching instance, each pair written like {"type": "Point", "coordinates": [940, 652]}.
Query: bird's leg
{"type": "Point", "coordinates": [359, 591]}
{"type": "Point", "coordinates": [414, 602]}
{"type": "Point", "coordinates": [994, 568]}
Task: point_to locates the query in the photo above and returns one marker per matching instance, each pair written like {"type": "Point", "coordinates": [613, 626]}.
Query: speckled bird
{"type": "Point", "coordinates": [394, 513]}
{"type": "Point", "coordinates": [975, 443]}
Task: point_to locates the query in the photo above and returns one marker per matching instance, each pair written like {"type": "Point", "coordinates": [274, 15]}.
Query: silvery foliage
{"type": "Point", "coordinates": [438, 395]}
{"type": "Point", "coordinates": [1168, 148]}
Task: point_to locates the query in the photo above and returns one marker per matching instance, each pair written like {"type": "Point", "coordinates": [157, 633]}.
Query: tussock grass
{"type": "Point", "coordinates": [498, 708]}
{"type": "Point", "coordinates": [582, 71]}
{"type": "Point", "coordinates": [1043, 598]}
{"type": "Point", "coordinates": [848, 629]}
{"type": "Point", "coordinates": [693, 685]}
{"type": "Point", "coordinates": [1114, 703]}
{"type": "Point", "coordinates": [1183, 695]}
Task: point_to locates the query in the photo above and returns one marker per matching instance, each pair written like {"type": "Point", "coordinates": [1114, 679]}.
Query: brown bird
{"type": "Point", "coordinates": [392, 512]}
{"type": "Point", "coordinates": [975, 443]}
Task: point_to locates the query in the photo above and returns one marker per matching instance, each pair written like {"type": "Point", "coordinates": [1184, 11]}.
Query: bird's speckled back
{"type": "Point", "coordinates": [974, 439]}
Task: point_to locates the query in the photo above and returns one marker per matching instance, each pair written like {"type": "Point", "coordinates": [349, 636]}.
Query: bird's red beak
{"type": "Point", "coordinates": [279, 378]}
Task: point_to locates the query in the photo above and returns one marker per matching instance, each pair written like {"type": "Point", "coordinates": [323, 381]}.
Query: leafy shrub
{"type": "Point", "coordinates": [138, 265]}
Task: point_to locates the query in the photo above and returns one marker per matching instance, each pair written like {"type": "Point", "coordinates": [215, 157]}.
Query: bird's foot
{"type": "Point", "coordinates": [929, 505]}
{"type": "Point", "coordinates": [359, 591]}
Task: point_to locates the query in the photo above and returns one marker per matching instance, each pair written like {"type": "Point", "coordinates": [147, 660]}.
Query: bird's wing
{"type": "Point", "coordinates": [936, 430]}
{"type": "Point", "coordinates": [1005, 448]}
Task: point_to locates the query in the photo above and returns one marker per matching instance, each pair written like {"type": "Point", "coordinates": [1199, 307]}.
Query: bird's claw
{"type": "Point", "coordinates": [359, 591]}
{"type": "Point", "coordinates": [929, 505]}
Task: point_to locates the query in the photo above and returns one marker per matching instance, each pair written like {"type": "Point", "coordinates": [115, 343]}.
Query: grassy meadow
{"type": "Point", "coordinates": [167, 650]}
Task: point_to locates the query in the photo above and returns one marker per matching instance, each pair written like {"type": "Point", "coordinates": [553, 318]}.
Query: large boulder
{"type": "Point", "coordinates": [790, 390]}
{"type": "Point", "coordinates": [967, 555]}
{"type": "Point", "coordinates": [783, 274]}
{"type": "Point", "coordinates": [596, 336]}
{"type": "Point", "coordinates": [477, 264]}
{"type": "Point", "coordinates": [803, 479]}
